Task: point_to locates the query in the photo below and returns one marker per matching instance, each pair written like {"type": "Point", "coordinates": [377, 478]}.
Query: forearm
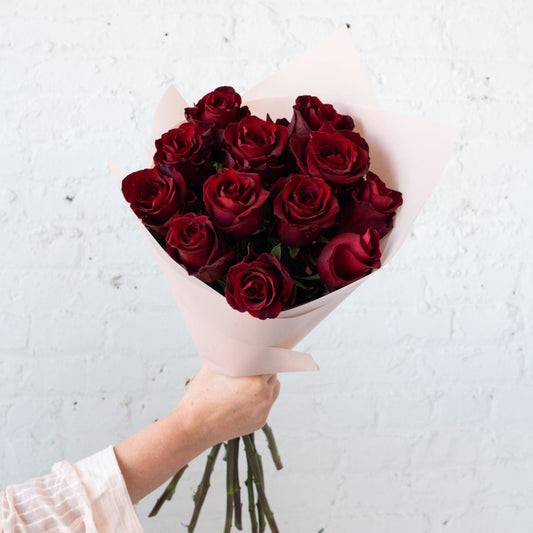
{"type": "Point", "coordinates": [215, 408]}
{"type": "Point", "coordinates": [151, 456]}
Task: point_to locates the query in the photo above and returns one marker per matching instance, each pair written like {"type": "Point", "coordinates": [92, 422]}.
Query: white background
{"type": "Point", "coordinates": [421, 419]}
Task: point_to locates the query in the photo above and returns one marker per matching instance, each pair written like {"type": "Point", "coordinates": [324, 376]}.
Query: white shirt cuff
{"type": "Point", "coordinates": [113, 509]}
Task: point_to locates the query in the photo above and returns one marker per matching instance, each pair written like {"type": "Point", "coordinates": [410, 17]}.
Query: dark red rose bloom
{"type": "Point", "coordinates": [340, 157]}
{"type": "Point", "coordinates": [187, 150]}
{"type": "Point", "coordinates": [154, 194]}
{"type": "Point", "coordinates": [371, 205]}
{"type": "Point", "coordinates": [194, 243]}
{"type": "Point", "coordinates": [305, 206]}
{"type": "Point", "coordinates": [310, 114]}
{"type": "Point", "coordinates": [235, 202]}
{"type": "Point", "coordinates": [374, 191]}
{"type": "Point", "coordinates": [262, 287]}
{"type": "Point", "coordinates": [358, 217]}
{"type": "Point", "coordinates": [255, 144]}
{"type": "Point", "coordinates": [349, 257]}
{"type": "Point", "coordinates": [217, 109]}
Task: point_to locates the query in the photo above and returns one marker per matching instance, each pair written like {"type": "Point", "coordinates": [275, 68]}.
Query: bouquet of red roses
{"type": "Point", "coordinates": [264, 226]}
{"type": "Point", "coordinates": [270, 214]}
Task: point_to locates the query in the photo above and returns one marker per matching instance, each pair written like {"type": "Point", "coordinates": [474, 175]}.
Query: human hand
{"type": "Point", "coordinates": [218, 408]}
{"type": "Point", "coordinates": [214, 409]}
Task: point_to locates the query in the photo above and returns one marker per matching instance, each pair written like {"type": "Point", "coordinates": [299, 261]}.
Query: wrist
{"type": "Point", "coordinates": [194, 427]}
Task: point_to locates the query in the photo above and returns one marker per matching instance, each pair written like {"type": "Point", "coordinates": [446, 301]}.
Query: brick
{"type": "Point", "coordinates": [404, 408]}
{"type": "Point", "coordinates": [462, 406]}
{"type": "Point", "coordinates": [14, 330]}
{"type": "Point", "coordinates": [46, 376]}
{"type": "Point", "coordinates": [66, 333]}
{"type": "Point", "coordinates": [142, 332]}
{"type": "Point", "coordinates": [453, 447]}
{"type": "Point", "coordinates": [496, 518]}
{"type": "Point", "coordinates": [511, 406]}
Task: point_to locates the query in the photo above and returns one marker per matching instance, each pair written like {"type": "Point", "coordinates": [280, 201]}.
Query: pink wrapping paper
{"type": "Point", "coordinates": [408, 153]}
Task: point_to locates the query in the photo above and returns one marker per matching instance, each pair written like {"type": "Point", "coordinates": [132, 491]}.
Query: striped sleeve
{"type": "Point", "coordinates": [88, 497]}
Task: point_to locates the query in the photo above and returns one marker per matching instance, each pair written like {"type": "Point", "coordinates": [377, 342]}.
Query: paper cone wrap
{"type": "Point", "coordinates": [409, 154]}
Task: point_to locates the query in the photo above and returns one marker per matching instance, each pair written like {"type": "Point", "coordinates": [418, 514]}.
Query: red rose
{"type": "Point", "coordinates": [348, 257]}
{"type": "Point", "coordinates": [193, 242]}
{"type": "Point", "coordinates": [256, 144]}
{"type": "Point", "coordinates": [185, 149]}
{"type": "Point", "coordinates": [371, 205]}
{"type": "Point", "coordinates": [217, 109]}
{"type": "Point", "coordinates": [383, 199]}
{"type": "Point", "coordinates": [311, 114]}
{"type": "Point", "coordinates": [154, 194]}
{"type": "Point", "coordinates": [235, 202]}
{"type": "Point", "coordinates": [305, 207]}
{"type": "Point", "coordinates": [263, 287]}
{"type": "Point", "coordinates": [358, 217]}
{"type": "Point", "coordinates": [339, 157]}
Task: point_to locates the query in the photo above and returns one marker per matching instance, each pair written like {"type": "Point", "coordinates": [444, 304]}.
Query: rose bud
{"type": "Point", "coordinates": [305, 206]}
{"type": "Point", "coordinates": [348, 257]}
{"type": "Point", "coordinates": [217, 109]}
{"type": "Point", "coordinates": [155, 195]}
{"type": "Point", "coordinates": [235, 202]}
{"type": "Point", "coordinates": [340, 157]}
{"type": "Point", "coordinates": [374, 191]}
{"type": "Point", "coordinates": [262, 287]}
{"type": "Point", "coordinates": [255, 144]}
{"type": "Point", "coordinates": [193, 242]}
{"type": "Point", "coordinates": [187, 150]}
{"type": "Point", "coordinates": [310, 114]}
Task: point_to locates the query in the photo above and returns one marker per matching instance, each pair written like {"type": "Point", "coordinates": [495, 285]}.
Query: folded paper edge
{"type": "Point", "coordinates": [275, 360]}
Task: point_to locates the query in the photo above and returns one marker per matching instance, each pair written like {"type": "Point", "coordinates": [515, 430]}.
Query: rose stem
{"type": "Point", "coordinates": [168, 492]}
{"type": "Point", "coordinates": [262, 524]}
{"type": "Point", "coordinates": [252, 455]}
{"type": "Point", "coordinates": [260, 510]}
{"type": "Point", "coordinates": [201, 491]}
{"type": "Point", "coordinates": [272, 446]}
{"type": "Point", "coordinates": [229, 485]}
{"type": "Point", "coordinates": [237, 487]}
{"type": "Point", "coordinates": [251, 500]}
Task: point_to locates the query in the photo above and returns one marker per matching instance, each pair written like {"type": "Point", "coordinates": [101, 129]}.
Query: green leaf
{"type": "Point", "coordinates": [217, 165]}
{"type": "Point", "coordinates": [309, 278]}
{"type": "Point", "coordinates": [293, 251]}
{"type": "Point", "coordinates": [276, 251]}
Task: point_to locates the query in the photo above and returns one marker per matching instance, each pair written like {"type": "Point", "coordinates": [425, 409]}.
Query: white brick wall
{"type": "Point", "coordinates": [421, 419]}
